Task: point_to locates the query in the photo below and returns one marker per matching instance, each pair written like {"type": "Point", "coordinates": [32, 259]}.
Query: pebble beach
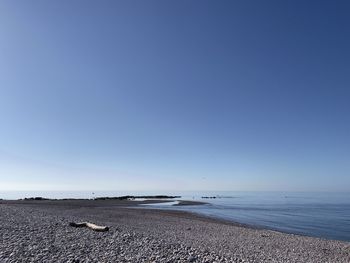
{"type": "Point", "coordinates": [39, 231]}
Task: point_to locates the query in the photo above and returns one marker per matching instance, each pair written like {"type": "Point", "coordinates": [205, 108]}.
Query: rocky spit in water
{"type": "Point", "coordinates": [39, 231]}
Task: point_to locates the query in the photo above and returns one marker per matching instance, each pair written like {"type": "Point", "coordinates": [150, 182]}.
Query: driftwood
{"type": "Point", "coordinates": [91, 226]}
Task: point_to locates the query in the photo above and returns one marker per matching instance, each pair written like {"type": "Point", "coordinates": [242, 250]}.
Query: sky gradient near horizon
{"type": "Point", "coordinates": [175, 95]}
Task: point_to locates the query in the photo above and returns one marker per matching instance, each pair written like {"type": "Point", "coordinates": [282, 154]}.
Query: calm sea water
{"type": "Point", "coordinates": [325, 215]}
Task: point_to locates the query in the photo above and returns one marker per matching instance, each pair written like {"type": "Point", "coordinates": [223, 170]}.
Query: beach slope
{"type": "Point", "coordinates": [39, 231]}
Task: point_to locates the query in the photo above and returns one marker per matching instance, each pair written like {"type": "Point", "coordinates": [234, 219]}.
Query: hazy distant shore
{"type": "Point", "coordinates": [38, 231]}
{"type": "Point", "coordinates": [123, 197]}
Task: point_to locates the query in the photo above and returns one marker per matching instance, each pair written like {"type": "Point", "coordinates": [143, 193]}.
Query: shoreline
{"type": "Point", "coordinates": [175, 236]}
{"type": "Point", "coordinates": [232, 221]}
{"type": "Point", "coordinates": [138, 204]}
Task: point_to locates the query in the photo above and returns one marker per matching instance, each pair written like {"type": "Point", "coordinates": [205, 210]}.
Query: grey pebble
{"type": "Point", "coordinates": [42, 234]}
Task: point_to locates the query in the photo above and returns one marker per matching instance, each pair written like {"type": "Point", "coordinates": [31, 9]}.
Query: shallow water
{"type": "Point", "coordinates": [159, 205]}
{"type": "Point", "coordinates": [325, 215]}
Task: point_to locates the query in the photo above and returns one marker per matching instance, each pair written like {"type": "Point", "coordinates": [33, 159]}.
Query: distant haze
{"type": "Point", "coordinates": [174, 95]}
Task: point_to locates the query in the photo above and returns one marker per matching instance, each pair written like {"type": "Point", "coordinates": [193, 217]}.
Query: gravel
{"type": "Point", "coordinates": [40, 232]}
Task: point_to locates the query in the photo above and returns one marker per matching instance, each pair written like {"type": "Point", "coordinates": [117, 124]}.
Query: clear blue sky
{"type": "Point", "coordinates": [175, 95]}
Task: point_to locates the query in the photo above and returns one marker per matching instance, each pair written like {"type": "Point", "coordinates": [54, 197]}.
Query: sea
{"type": "Point", "coordinates": [318, 214]}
